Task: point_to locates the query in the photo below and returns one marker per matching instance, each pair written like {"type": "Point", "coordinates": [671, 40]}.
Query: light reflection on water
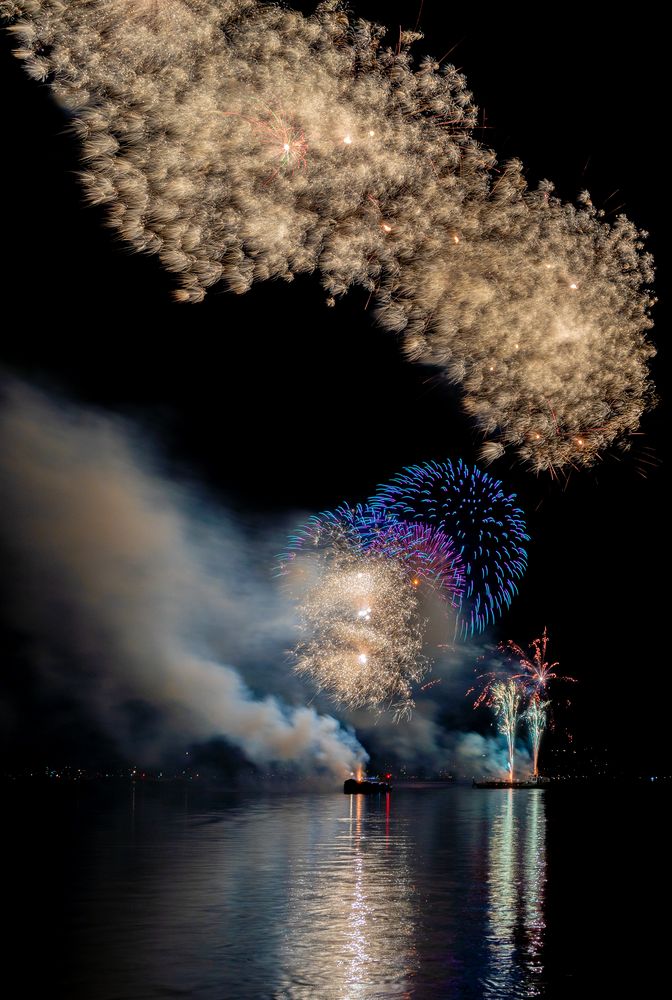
{"type": "Point", "coordinates": [364, 938]}
{"type": "Point", "coordinates": [421, 893]}
{"type": "Point", "coordinates": [516, 877]}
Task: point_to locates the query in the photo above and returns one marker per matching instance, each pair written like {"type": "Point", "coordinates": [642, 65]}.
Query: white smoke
{"type": "Point", "coordinates": [136, 594]}
{"type": "Point", "coordinates": [487, 756]}
{"type": "Point", "coordinates": [436, 736]}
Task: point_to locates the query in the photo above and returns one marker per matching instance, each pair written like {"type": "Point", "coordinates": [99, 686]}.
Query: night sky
{"type": "Point", "coordinates": [276, 403]}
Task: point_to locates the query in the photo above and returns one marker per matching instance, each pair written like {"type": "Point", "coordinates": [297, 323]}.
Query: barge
{"type": "Point", "coordinates": [365, 787]}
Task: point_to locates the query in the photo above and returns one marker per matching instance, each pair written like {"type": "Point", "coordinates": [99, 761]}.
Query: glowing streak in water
{"type": "Point", "coordinates": [516, 882]}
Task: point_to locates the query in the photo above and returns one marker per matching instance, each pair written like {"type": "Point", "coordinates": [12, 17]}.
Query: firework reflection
{"type": "Point", "coordinates": [362, 931]}
{"type": "Point", "coordinates": [516, 883]}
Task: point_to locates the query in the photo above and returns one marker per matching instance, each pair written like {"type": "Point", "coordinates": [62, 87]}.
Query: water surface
{"type": "Point", "coordinates": [153, 892]}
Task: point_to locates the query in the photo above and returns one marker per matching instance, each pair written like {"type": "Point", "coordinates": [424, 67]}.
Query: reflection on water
{"type": "Point", "coordinates": [516, 877]}
{"type": "Point", "coordinates": [421, 893]}
{"type": "Point", "coordinates": [350, 923]}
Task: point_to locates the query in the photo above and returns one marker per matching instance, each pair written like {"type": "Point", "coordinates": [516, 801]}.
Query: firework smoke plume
{"type": "Point", "coordinates": [134, 599]}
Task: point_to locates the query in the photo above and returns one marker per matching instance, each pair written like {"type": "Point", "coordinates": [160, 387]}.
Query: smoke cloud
{"type": "Point", "coordinates": [427, 743]}
{"type": "Point", "coordinates": [137, 597]}
{"type": "Point", "coordinates": [242, 141]}
{"type": "Point", "coordinates": [484, 755]}
{"type": "Point", "coordinates": [444, 732]}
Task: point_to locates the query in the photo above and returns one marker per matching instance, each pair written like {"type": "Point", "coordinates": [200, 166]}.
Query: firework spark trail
{"type": "Point", "coordinates": [535, 716]}
{"type": "Point", "coordinates": [192, 116]}
{"type": "Point", "coordinates": [534, 677]}
{"type": "Point", "coordinates": [286, 142]}
{"type": "Point", "coordinates": [488, 529]}
{"type": "Point", "coordinates": [357, 574]}
{"type": "Point", "coordinates": [505, 699]}
{"type": "Point", "coordinates": [364, 636]}
{"type": "Point", "coordinates": [429, 554]}
{"type": "Point", "coordinates": [537, 672]}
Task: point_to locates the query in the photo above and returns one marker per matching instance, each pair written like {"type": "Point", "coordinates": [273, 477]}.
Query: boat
{"type": "Point", "coordinates": [365, 787]}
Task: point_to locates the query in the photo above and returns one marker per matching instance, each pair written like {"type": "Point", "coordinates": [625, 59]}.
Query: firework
{"type": "Point", "coordinates": [505, 699]}
{"type": "Point", "coordinates": [360, 525]}
{"type": "Point", "coordinates": [536, 717]}
{"type": "Point", "coordinates": [474, 510]}
{"type": "Point", "coordinates": [363, 634]}
{"type": "Point", "coordinates": [535, 675]}
{"type": "Point", "coordinates": [241, 141]}
{"type": "Point", "coordinates": [536, 672]}
{"type": "Point", "coordinates": [429, 553]}
{"type": "Point", "coordinates": [430, 556]}
{"type": "Point", "coordinates": [539, 313]}
{"type": "Point", "coordinates": [284, 141]}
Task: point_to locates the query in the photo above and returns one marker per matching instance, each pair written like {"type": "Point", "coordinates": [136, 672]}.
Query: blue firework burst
{"type": "Point", "coordinates": [474, 510]}
{"type": "Point", "coordinates": [427, 552]}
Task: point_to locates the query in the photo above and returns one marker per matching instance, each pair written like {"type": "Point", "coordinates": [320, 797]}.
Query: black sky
{"type": "Point", "coordinates": [276, 403]}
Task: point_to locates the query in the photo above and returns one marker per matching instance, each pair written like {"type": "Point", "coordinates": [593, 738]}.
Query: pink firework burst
{"type": "Point", "coordinates": [536, 672]}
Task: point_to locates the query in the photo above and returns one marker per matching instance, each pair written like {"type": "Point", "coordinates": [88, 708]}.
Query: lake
{"type": "Point", "coordinates": [139, 892]}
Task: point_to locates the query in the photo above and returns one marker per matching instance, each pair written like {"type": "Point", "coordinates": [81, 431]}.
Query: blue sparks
{"type": "Point", "coordinates": [488, 528]}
